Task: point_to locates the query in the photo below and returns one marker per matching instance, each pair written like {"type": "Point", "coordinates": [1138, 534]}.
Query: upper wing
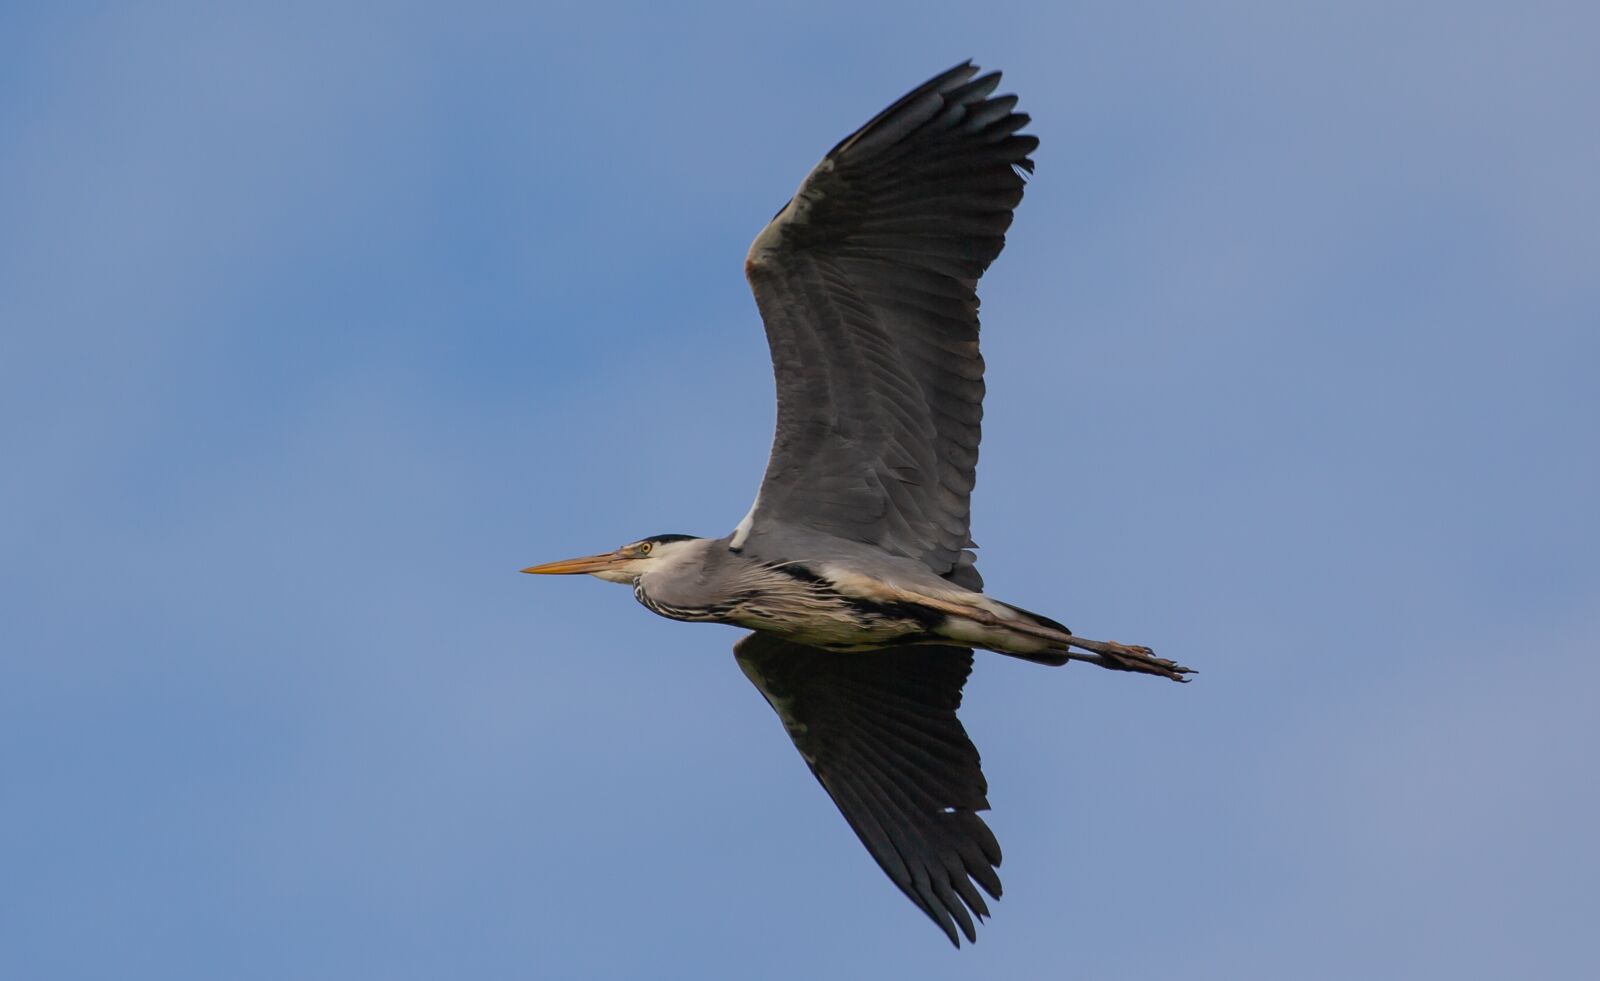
{"type": "Point", "coordinates": [866, 281]}
{"type": "Point", "coordinates": [879, 731]}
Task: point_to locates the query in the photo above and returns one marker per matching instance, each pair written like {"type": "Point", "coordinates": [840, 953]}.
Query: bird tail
{"type": "Point", "coordinates": [1052, 658]}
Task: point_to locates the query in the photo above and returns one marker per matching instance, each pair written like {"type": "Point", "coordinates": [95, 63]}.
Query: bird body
{"type": "Point", "coordinates": [823, 599]}
{"type": "Point", "coordinates": [809, 603]}
{"type": "Point", "coordinates": [838, 596]}
{"type": "Point", "coordinates": [853, 568]}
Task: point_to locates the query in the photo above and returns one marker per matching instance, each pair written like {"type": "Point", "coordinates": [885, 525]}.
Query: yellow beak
{"type": "Point", "coordinates": [586, 564]}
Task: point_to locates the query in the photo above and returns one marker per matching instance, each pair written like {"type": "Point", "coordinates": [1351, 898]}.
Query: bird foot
{"type": "Point", "coordinates": [1131, 657]}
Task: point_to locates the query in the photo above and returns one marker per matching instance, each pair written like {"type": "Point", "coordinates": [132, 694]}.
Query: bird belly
{"type": "Point", "coordinates": [841, 623]}
{"type": "Point", "coordinates": [827, 608]}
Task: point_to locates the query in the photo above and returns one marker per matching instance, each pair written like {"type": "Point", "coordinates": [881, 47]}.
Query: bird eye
{"type": "Point", "coordinates": [644, 548]}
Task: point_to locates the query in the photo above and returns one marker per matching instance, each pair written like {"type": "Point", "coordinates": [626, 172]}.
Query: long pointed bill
{"type": "Point", "coordinates": [586, 564]}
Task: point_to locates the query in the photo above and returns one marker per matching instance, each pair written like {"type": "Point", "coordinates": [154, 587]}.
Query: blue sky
{"type": "Point", "coordinates": [318, 322]}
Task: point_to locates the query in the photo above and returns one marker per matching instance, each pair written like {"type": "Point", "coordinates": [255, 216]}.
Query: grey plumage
{"type": "Point", "coordinates": [867, 285]}
{"type": "Point", "coordinates": [880, 734]}
{"type": "Point", "coordinates": [853, 567]}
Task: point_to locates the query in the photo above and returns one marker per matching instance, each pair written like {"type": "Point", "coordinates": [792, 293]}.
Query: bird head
{"type": "Point", "coordinates": [624, 564]}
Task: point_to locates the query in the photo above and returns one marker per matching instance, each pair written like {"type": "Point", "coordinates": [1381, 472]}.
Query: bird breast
{"type": "Point", "coordinates": [795, 602]}
{"type": "Point", "coordinates": [702, 613]}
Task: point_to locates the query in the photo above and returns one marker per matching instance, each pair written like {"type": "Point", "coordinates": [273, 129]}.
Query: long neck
{"type": "Point", "coordinates": [689, 580]}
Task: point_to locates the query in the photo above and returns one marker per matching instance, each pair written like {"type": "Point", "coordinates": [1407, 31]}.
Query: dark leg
{"type": "Point", "coordinates": [1124, 657]}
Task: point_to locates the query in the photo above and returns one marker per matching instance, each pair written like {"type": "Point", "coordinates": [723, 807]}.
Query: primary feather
{"type": "Point", "coordinates": [866, 281]}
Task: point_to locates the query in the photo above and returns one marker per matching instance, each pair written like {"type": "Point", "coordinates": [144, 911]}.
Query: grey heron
{"type": "Point", "coordinates": [854, 567]}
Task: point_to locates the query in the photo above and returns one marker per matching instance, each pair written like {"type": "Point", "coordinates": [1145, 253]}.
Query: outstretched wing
{"type": "Point", "coordinates": [879, 731]}
{"type": "Point", "coordinates": [866, 281]}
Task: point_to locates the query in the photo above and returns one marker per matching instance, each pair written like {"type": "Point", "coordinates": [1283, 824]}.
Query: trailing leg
{"type": "Point", "coordinates": [1126, 657]}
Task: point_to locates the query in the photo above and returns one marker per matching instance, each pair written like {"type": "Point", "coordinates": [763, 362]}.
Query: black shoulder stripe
{"type": "Point", "coordinates": [925, 617]}
{"type": "Point", "coordinates": [804, 573]}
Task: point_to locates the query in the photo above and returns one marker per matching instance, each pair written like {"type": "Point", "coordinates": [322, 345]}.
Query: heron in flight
{"type": "Point", "coordinates": [853, 568]}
